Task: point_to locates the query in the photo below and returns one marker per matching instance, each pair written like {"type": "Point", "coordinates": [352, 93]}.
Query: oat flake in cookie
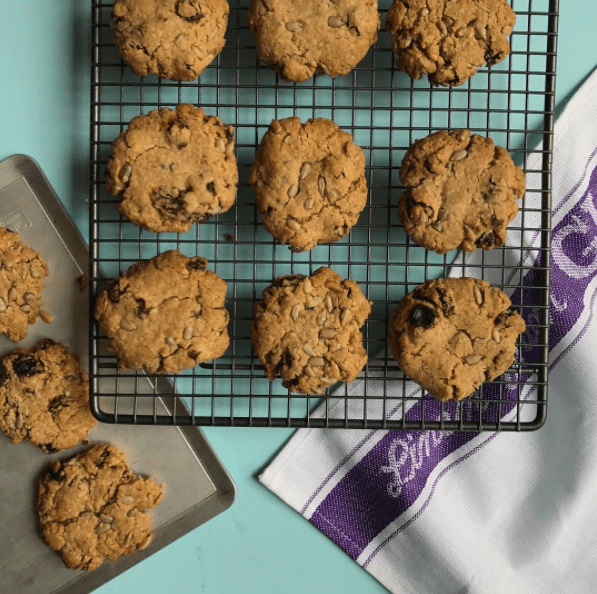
{"type": "Point", "coordinates": [92, 507]}
{"type": "Point", "coordinates": [165, 314]}
{"type": "Point", "coordinates": [300, 38]}
{"type": "Point", "coordinates": [44, 397]}
{"type": "Point", "coordinates": [307, 329]}
{"type": "Point", "coordinates": [309, 181]}
{"type": "Point", "coordinates": [452, 334]}
{"type": "Point", "coordinates": [174, 39]}
{"type": "Point", "coordinates": [461, 192]}
{"type": "Point", "coordinates": [173, 168]}
{"type": "Point", "coordinates": [23, 275]}
{"type": "Point", "coordinates": [449, 39]}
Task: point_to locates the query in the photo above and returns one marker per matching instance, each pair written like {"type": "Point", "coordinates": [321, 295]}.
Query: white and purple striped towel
{"type": "Point", "coordinates": [472, 513]}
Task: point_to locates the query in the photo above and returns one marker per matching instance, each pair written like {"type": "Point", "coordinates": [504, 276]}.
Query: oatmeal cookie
{"type": "Point", "coordinates": [172, 168]}
{"type": "Point", "coordinates": [92, 507]}
{"type": "Point", "coordinates": [23, 275]}
{"type": "Point", "coordinates": [462, 192]}
{"type": "Point", "coordinates": [309, 181]}
{"type": "Point", "coordinates": [300, 38]}
{"type": "Point", "coordinates": [449, 39]}
{"type": "Point", "coordinates": [165, 314]}
{"type": "Point", "coordinates": [174, 39]}
{"type": "Point", "coordinates": [452, 334]}
{"type": "Point", "coordinates": [307, 330]}
{"type": "Point", "coordinates": [44, 397]}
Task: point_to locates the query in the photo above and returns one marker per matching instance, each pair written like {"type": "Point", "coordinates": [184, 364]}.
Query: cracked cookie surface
{"type": "Point", "coordinates": [452, 334]}
{"type": "Point", "coordinates": [462, 192]}
{"type": "Point", "coordinates": [172, 168]}
{"type": "Point", "coordinates": [300, 38]}
{"type": "Point", "coordinates": [173, 39]}
{"type": "Point", "coordinates": [23, 275]}
{"type": "Point", "coordinates": [307, 330]}
{"type": "Point", "coordinates": [449, 39]}
{"type": "Point", "coordinates": [165, 314]}
{"type": "Point", "coordinates": [309, 182]}
{"type": "Point", "coordinates": [44, 397]}
{"type": "Point", "coordinates": [92, 507]}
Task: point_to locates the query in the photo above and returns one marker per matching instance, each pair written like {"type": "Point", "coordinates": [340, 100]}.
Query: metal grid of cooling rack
{"type": "Point", "coordinates": [385, 111]}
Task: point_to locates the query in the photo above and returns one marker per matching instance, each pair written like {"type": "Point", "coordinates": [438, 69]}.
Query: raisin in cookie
{"type": "Point", "coordinates": [452, 334]}
{"type": "Point", "coordinates": [309, 180]}
{"type": "Point", "coordinates": [44, 397]}
{"type": "Point", "coordinates": [23, 275]}
{"type": "Point", "coordinates": [174, 39]}
{"type": "Point", "coordinates": [92, 507]}
{"type": "Point", "coordinates": [172, 168]}
{"type": "Point", "coordinates": [307, 330]}
{"type": "Point", "coordinates": [165, 314]}
{"type": "Point", "coordinates": [462, 192]}
{"type": "Point", "coordinates": [449, 39]}
{"type": "Point", "coordinates": [300, 38]}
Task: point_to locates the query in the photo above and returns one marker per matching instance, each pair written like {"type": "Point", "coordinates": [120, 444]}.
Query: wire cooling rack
{"type": "Point", "coordinates": [385, 111]}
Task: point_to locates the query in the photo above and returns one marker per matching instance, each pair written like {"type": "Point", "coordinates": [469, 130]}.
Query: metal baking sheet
{"type": "Point", "coordinates": [197, 486]}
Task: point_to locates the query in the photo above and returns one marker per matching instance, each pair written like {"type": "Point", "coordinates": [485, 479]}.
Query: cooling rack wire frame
{"type": "Point", "coordinates": [386, 111]}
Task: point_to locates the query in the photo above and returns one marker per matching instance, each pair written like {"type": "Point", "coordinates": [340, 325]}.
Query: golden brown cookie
{"type": "Point", "coordinates": [449, 39]}
{"type": "Point", "coordinates": [461, 192]}
{"type": "Point", "coordinates": [44, 397]}
{"type": "Point", "coordinates": [165, 314]}
{"type": "Point", "coordinates": [172, 168]}
{"type": "Point", "coordinates": [309, 181]}
{"type": "Point", "coordinates": [92, 507]}
{"type": "Point", "coordinates": [174, 39]}
{"type": "Point", "coordinates": [307, 330]}
{"type": "Point", "coordinates": [452, 334]}
{"type": "Point", "coordinates": [300, 38]}
{"type": "Point", "coordinates": [23, 275]}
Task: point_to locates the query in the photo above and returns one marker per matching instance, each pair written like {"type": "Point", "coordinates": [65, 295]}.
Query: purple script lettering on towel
{"type": "Point", "coordinates": [364, 502]}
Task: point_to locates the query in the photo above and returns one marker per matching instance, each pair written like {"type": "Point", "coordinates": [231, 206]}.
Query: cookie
{"type": "Point", "coordinates": [23, 275]}
{"type": "Point", "coordinates": [92, 507]}
{"type": "Point", "coordinates": [306, 329]}
{"type": "Point", "coordinates": [44, 397]}
{"type": "Point", "coordinates": [461, 192]}
{"type": "Point", "coordinates": [449, 39]}
{"type": "Point", "coordinates": [452, 334]}
{"type": "Point", "coordinates": [309, 181]}
{"type": "Point", "coordinates": [300, 38]}
{"type": "Point", "coordinates": [172, 168]}
{"type": "Point", "coordinates": [173, 39]}
{"type": "Point", "coordinates": [165, 314]}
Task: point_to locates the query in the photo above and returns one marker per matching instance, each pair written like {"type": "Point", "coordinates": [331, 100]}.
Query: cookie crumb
{"type": "Point", "coordinates": [46, 316]}
{"type": "Point", "coordinates": [83, 282]}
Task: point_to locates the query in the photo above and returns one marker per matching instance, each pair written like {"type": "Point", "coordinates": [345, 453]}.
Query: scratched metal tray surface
{"type": "Point", "coordinates": [197, 487]}
{"type": "Point", "coordinates": [386, 111]}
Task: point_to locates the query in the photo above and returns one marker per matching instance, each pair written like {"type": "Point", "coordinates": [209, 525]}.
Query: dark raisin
{"type": "Point", "coordinates": [422, 316]}
{"type": "Point", "coordinates": [27, 366]}
{"type": "Point", "coordinates": [447, 307]}
{"type": "Point", "coordinates": [142, 310]}
{"type": "Point", "coordinates": [189, 11]}
{"type": "Point", "coordinates": [193, 354]}
{"type": "Point", "coordinates": [196, 264]}
{"type": "Point", "coordinates": [114, 292]}
{"type": "Point", "coordinates": [48, 448]}
{"type": "Point", "coordinates": [418, 295]}
{"type": "Point", "coordinates": [486, 240]}
{"type": "Point", "coordinates": [57, 403]}
{"type": "Point", "coordinates": [3, 374]}
{"type": "Point", "coordinates": [211, 188]}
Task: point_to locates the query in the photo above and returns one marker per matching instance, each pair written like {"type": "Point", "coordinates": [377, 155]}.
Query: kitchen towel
{"type": "Point", "coordinates": [483, 513]}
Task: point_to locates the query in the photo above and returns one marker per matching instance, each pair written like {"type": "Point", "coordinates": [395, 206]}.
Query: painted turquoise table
{"type": "Point", "coordinates": [259, 545]}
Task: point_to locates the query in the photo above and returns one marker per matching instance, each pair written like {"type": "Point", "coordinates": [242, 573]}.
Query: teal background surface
{"type": "Point", "coordinates": [260, 545]}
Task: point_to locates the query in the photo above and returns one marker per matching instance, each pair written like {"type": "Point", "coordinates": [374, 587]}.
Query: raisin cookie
{"type": "Point", "coordinates": [309, 180]}
{"type": "Point", "coordinates": [300, 38]}
{"type": "Point", "coordinates": [462, 192]}
{"type": "Point", "coordinates": [44, 397]}
{"type": "Point", "coordinates": [92, 507]}
{"type": "Point", "coordinates": [452, 334]}
{"type": "Point", "coordinates": [172, 168]}
{"type": "Point", "coordinates": [174, 39]}
{"type": "Point", "coordinates": [449, 39]}
{"type": "Point", "coordinates": [23, 275]}
{"type": "Point", "coordinates": [307, 330]}
{"type": "Point", "coordinates": [165, 314]}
